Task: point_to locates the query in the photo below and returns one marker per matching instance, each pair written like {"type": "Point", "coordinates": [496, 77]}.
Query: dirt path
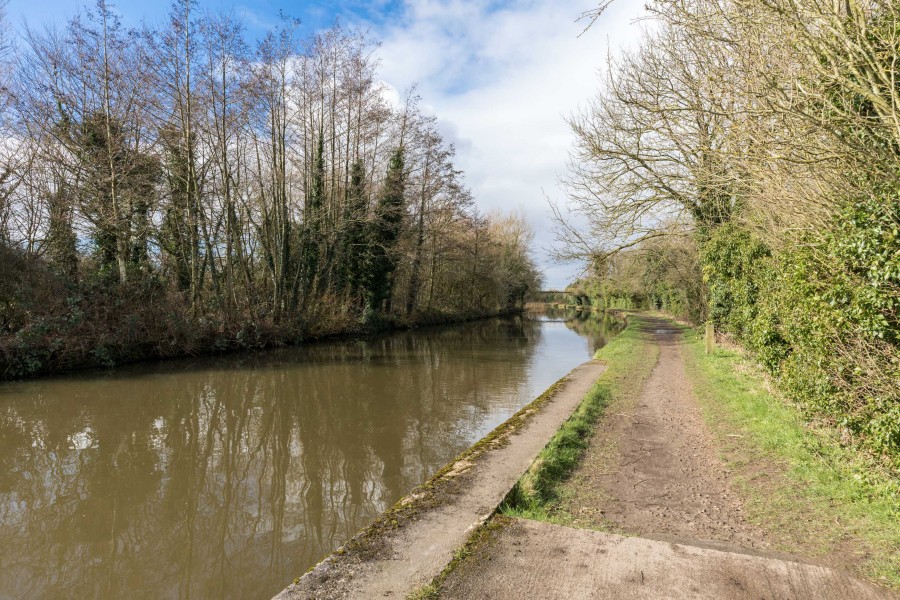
{"type": "Point", "coordinates": [417, 552]}
{"type": "Point", "coordinates": [653, 469]}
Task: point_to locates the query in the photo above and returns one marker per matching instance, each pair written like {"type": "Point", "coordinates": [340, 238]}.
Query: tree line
{"type": "Point", "coordinates": [177, 188]}
{"type": "Point", "coordinates": [743, 166]}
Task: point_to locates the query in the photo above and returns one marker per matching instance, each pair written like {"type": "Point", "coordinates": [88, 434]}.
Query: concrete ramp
{"type": "Point", "coordinates": [527, 559]}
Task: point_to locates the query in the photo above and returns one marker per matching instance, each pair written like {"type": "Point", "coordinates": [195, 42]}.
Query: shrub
{"type": "Point", "coordinates": [822, 316]}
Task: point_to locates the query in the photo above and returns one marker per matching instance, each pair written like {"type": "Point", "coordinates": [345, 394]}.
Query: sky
{"type": "Point", "coordinates": [501, 76]}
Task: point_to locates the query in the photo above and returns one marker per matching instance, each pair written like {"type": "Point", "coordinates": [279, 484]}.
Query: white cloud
{"type": "Point", "coordinates": [502, 80]}
{"type": "Point", "coordinates": [253, 20]}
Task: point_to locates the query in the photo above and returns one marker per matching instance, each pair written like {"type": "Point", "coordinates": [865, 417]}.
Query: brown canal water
{"type": "Point", "coordinates": [227, 477]}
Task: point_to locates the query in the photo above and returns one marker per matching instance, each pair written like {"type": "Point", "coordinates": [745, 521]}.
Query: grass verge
{"type": "Point", "coordinates": [538, 492]}
{"type": "Point", "coordinates": [537, 489]}
{"type": "Point", "coordinates": [814, 496]}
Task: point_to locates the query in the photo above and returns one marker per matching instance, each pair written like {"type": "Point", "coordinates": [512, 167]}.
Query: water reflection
{"type": "Point", "coordinates": [225, 478]}
{"type": "Point", "coordinates": [597, 327]}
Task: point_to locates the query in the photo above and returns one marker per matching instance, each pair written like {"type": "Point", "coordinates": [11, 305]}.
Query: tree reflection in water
{"type": "Point", "coordinates": [597, 327]}
{"type": "Point", "coordinates": [225, 478]}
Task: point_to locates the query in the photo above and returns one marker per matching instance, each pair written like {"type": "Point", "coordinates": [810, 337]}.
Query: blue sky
{"type": "Point", "coordinates": [500, 75]}
{"type": "Point", "coordinates": [259, 13]}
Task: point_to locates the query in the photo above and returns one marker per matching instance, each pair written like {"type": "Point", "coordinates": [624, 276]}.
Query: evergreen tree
{"type": "Point", "coordinates": [61, 252]}
{"type": "Point", "coordinates": [383, 235]}
{"type": "Point", "coordinates": [140, 190]}
{"type": "Point", "coordinates": [312, 226]}
{"type": "Point", "coordinates": [353, 238]}
{"type": "Point", "coordinates": [178, 232]}
{"type": "Point", "coordinates": [119, 220]}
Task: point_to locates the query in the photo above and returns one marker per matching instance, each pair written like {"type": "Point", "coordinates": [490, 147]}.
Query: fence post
{"type": "Point", "coordinates": [710, 337]}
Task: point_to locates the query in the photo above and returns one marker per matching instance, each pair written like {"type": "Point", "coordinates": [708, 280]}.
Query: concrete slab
{"type": "Point", "coordinates": [528, 559]}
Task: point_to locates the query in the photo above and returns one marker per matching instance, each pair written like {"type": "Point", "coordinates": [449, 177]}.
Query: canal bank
{"type": "Point", "coordinates": [30, 356]}
{"type": "Point", "coordinates": [639, 503]}
{"type": "Point", "coordinates": [412, 543]}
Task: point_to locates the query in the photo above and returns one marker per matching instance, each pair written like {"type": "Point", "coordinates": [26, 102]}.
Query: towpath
{"type": "Point", "coordinates": [652, 471]}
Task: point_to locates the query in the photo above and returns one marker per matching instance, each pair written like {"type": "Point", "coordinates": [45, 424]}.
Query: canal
{"type": "Point", "coordinates": [226, 477]}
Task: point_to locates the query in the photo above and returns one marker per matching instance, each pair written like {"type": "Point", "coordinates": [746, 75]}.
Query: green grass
{"type": "Point", "coordinates": [537, 488]}
{"type": "Point", "coordinates": [536, 494]}
{"type": "Point", "coordinates": [798, 482]}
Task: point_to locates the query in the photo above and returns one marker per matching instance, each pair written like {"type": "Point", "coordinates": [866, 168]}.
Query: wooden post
{"type": "Point", "coordinates": [710, 337]}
